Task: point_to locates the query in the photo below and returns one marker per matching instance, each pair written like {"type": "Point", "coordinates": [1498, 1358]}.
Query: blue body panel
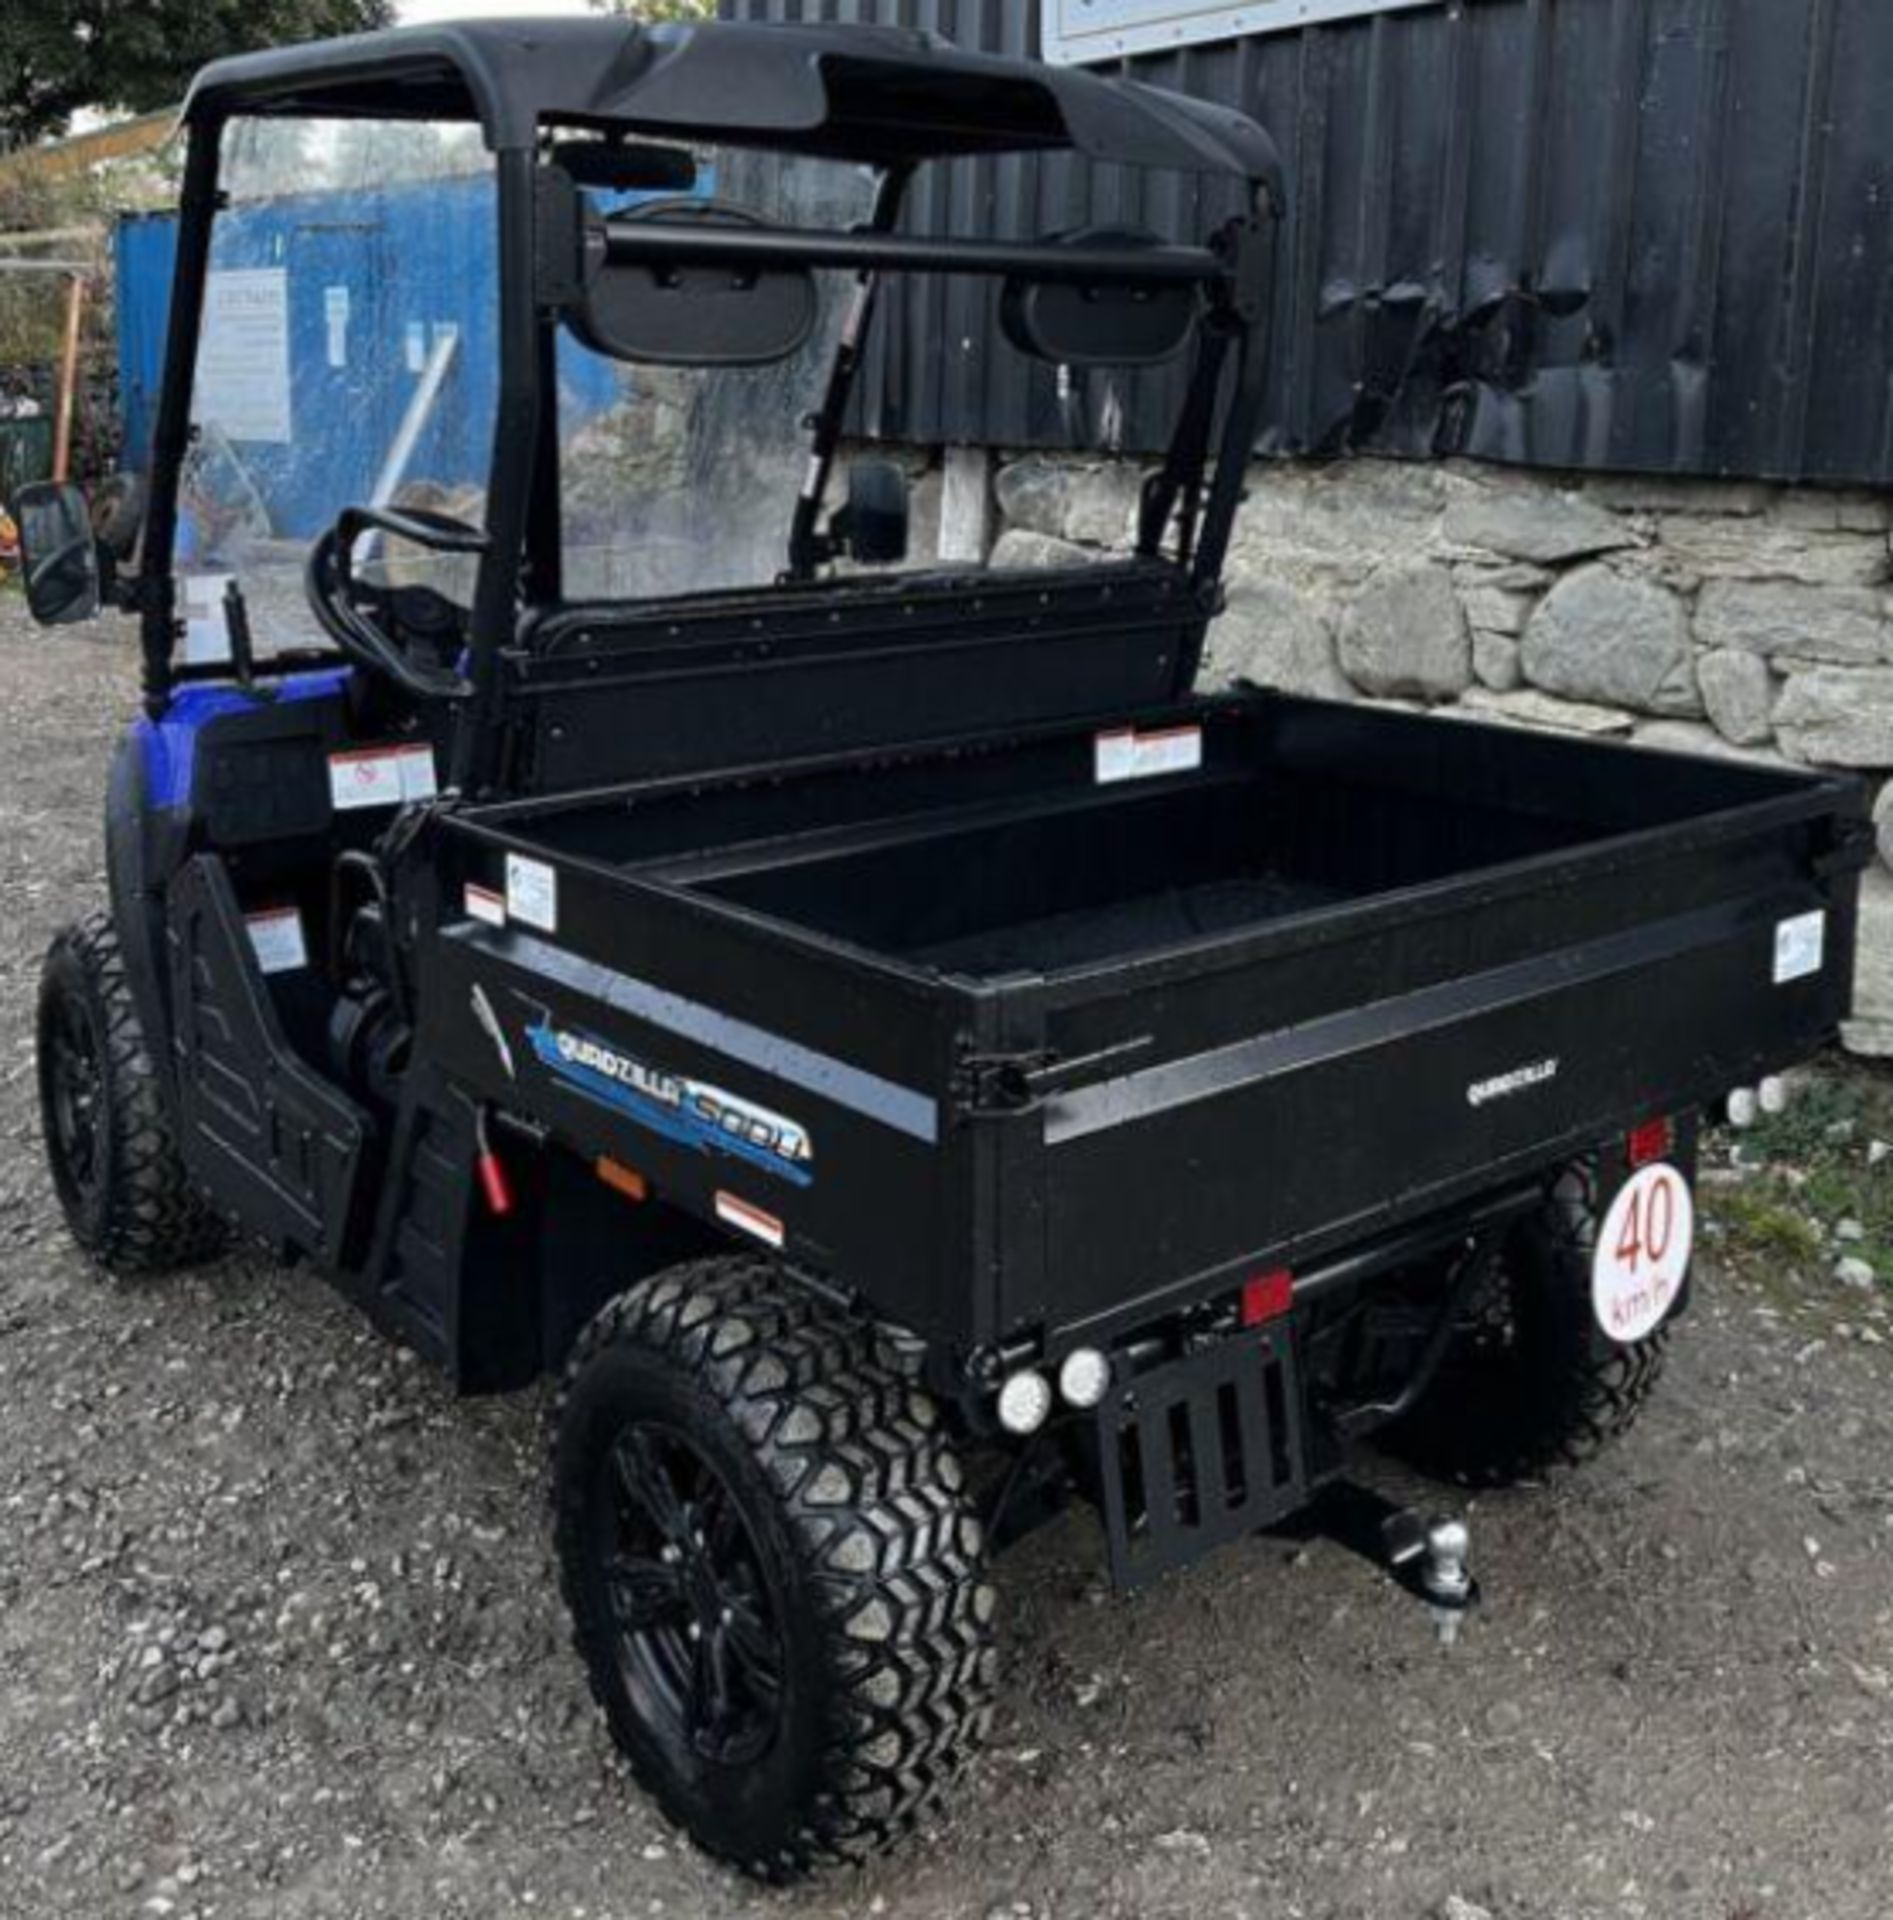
{"type": "Point", "coordinates": [169, 745]}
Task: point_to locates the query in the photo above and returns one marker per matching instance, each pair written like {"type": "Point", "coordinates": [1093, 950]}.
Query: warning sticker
{"type": "Point", "coordinates": [1126, 754]}
{"type": "Point", "coordinates": [1642, 1254]}
{"type": "Point", "coordinates": [1800, 946]}
{"type": "Point", "coordinates": [276, 935]}
{"type": "Point", "coordinates": [483, 904]}
{"type": "Point", "coordinates": [532, 893]}
{"type": "Point", "coordinates": [381, 777]}
{"type": "Point", "coordinates": [751, 1220]}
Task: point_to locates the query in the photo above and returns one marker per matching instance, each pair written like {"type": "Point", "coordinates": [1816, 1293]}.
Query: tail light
{"type": "Point", "coordinates": [1267, 1297]}
{"type": "Point", "coordinates": [1652, 1141]}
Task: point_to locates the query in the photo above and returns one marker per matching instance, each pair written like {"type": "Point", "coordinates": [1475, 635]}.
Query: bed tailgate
{"type": "Point", "coordinates": [1215, 1136]}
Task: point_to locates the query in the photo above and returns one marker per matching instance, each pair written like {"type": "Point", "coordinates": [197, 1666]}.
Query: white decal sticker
{"type": "Point", "coordinates": [532, 893]}
{"type": "Point", "coordinates": [1642, 1254]}
{"type": "Point", "coordinates": [242, 380]}
{"type": "Point", "coordinates": [1126, 754]}
{"type": "Point", "coordinates": [381, 777]}
{"type": "Point", "coordinates": [418, 779]}
{"type": "Point", "coordinates": [335, 313]}
{"type": "Point", "coordinates": [751, 1220]}
{"type": "Point", "coordinates": [1800, 946]}
{"type": "Point", "coordinates": [484, 905]}
{"type": "Point", "coordinates": [276, 935]}
{"type": "Point", "coordinates": [206, 630]}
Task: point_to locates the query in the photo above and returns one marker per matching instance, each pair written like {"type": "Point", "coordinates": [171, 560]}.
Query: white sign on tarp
{"type": "Point", "coordinates": [243, 363]}
{"type": "Point", "coordinates": [1074, 31]}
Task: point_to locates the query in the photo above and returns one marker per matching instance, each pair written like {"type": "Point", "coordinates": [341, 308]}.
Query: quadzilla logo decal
{"type": "Point", "coordinates": [690, 1112]}
{"type": "Point", "coordinates": [1519, 1080]}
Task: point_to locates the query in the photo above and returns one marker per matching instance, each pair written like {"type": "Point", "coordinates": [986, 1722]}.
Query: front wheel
{"type": "Point", "coordinates": [114, 1161]}
{"type": "Point", "coordinates": [773, 1574]}
{"type": "Point", "coordinates": [1527, 1387]}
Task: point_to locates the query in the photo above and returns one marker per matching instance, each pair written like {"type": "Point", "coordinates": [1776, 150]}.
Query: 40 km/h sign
{"type": "Point", "coordinates": [1074, 31]}
{"type": "Point", "coordinates": [1642, 1253]}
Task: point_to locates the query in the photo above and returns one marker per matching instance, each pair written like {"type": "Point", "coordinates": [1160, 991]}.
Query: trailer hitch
{"type": "Point", "coordinates": [1428, 1555]}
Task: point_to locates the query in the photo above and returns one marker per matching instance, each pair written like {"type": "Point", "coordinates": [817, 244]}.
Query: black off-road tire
{"type": "Point", "coordinates": [856, 1539]}
{"type": "Point", "coordinates": [1526, 1390]}
{"type": "Point", "coordinates": [121, 1183]}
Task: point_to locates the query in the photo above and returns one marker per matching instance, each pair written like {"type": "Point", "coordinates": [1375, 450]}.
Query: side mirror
{"type": "Point", "coordinates": [59, 557]}
{"type": "Point", "coordinates": [873, 525]}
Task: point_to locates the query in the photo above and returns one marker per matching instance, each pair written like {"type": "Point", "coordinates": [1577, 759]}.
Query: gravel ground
{"type": "Point", "coordinates": [279, 1634]}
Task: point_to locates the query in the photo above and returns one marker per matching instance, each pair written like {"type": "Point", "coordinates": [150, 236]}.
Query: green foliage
{"type": "Point", "coordinates": [1804, 1172]}
{"type": "Point", "coordinates": [665, 9]}
{"type": "Point", "coordinates": [139, 55]}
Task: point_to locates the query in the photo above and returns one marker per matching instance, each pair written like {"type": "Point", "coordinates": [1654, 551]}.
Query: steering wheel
{"type": "Point", "coordinates": [354, 615]}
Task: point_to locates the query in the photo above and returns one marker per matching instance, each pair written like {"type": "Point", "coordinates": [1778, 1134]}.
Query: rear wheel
{"type": "Point", "coordinates": [773, 1573]}
{"type": "Point", "coordinates": [109, 1144]}
{"type": "Point", "coordinates": [1525, 1389]}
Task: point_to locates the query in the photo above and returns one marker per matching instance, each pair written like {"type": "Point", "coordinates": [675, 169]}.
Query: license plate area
{"type": "Point", "coordinates": [1200, 1451]}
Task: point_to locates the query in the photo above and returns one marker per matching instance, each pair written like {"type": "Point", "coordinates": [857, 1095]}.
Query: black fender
{"type": "Point", "coordinates": [143, 849]}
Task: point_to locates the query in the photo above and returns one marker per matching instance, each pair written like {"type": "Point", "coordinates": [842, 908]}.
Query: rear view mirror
{"type": "Point", "coordinates": [616, 167]}
{"type": "Point", "coordinates": [1104, 325]}
{"type": "Point", "coordinates": [873, 525]}
{"type": "Point", "coordinates": [59, 558]}
{"type": "Point", "coordinates": [665, 314]}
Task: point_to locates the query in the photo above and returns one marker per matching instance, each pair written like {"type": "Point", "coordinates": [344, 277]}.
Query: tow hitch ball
{"type": "Point", "coordinates": [1430, 1559]}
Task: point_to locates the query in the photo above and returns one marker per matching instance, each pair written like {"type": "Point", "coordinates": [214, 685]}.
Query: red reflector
{"type": "Point", "coordinates": [1651, 1141]}
{"type": "Point", "coordinates": [1267, 1297]}
{"type": "Point", "coordinates": [499, 1192]}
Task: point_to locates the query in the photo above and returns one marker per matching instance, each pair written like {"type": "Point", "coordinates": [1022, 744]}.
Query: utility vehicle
{"type": "Point", "coordinates": [900, 1057]}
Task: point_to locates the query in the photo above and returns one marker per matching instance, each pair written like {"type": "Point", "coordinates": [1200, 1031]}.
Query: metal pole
{"type": "Point", "coordinates": [68, 378]}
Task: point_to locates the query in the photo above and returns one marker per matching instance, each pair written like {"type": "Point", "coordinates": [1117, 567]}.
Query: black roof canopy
{"type": "Point", "coordinates": [882, 95]}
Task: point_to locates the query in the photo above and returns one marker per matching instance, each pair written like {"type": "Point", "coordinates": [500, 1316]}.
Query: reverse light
{"type": "Point", "coordinates": [1649, 1143]}
{"type": "Point", "coordinates": [1085, 1377]}
{"type": "Point", "coordinates": [1267, 1297]}
{"type": "Point", "coordinates": [1025, 1401]}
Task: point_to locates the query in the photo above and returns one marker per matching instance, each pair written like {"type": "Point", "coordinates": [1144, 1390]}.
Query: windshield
{"type": "Point", "coordinates": [682, 479]}
{"type": "Point", "coordinates": [348, 356]}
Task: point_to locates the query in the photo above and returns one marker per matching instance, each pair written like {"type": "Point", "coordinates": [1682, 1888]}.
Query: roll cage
{"type": "Point", "coordinates": [885, 98]}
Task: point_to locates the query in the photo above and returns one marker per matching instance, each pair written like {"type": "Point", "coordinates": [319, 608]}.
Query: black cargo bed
{"type": "Point", "coordinates": [1071, 1050]}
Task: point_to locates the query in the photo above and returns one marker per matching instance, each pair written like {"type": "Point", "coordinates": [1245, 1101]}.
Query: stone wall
{"type": "Point", "coordinates": [1709, 617]}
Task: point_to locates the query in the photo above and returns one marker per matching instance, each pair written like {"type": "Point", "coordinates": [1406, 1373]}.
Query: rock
{"type": "Point", "coordinates": [1453, 1907]}
{"type": "Point", "coordinates": [1103, 505]}
{"type": "Point", "coordinates": [1838, 716]}
{"type": "Point", "coordinates": [1495, 661]}
{"type": "Point", "coordinates": [1850, 1232]}
{"type": "Point", "coordinates": [228, 1714]}
{"type": "Point", "coordinates": [1690, 736]}
{"type": "Point", "coordinates": [1495, 609]}
{"type": "Point", "coordinates": [1033, 495]}
{"type": "Point", "coordinates": [1018, 548]}
{"type": "Point", "coordinates": [1739, 692]}
{"type": "Point", "coordinates": [158, 1685]}
{"type": "Point", "coordinates": [1870, 1031]}
{"type": "Point", "coordinates": [1613, 638]}
{"type": "Point", "coordinates": [1827, 511]}
{"type": "Point", "coordinates": [1883, 822]}
{"type": "Point", "coordinates": [1529, 709]}
{"type": "Point", "coordinates": [1543, 527]}
{"type": "Point", "coordinates": [1879, 1152]}
{"type": "Point", "coordinates": [1855, 1272]}
{"type": "Point", "coordinates": [1095, 505]}
{"type": "Point", "coordinates": [1271, 636]}
{"type": "Point", "coordinates": [1657, 493]}
{"type": "Point", "coordinates": [1703, 549]}
{"type": "Point", "coordinates": [1404, 635]}
{"type": "Point", "coordinates": [1842, 626]}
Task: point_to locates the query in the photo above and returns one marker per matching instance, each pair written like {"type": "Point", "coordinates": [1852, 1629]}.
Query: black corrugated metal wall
{"type": "Point", "coordinates": [1648, 235]}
